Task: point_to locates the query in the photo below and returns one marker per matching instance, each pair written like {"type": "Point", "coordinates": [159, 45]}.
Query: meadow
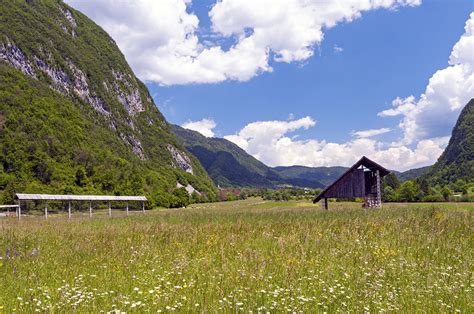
{"type": "Point", "coordinates": [243, 256]}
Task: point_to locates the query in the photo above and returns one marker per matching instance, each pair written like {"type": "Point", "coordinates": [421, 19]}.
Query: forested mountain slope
{"type": "Point", "coordinates": [73, 116]}
{"type": "Point", "coordinates": [457, 160]}
{"type": "Point", "coordinates": [229, 165]}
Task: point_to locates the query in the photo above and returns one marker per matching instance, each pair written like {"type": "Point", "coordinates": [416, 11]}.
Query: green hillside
{"type": "Point", "coordinates": [226, 163]}
{"type": "Point", "coordinates": [457, 161]}
{"type": "Point", "coordinates": [229, 165]}
{"type": "Point", "coordinates": [323, 175]}
{"type": "Point", "coordinates": [73, 116]}
{"type": "Point", "coordinates": [412, 173]}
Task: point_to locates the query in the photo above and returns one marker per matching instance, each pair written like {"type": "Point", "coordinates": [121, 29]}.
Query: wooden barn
{"type": "Point", "coordinates": [363, 179]}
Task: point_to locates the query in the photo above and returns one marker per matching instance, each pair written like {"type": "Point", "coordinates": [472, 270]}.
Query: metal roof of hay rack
{"type": "Point", "coordinates": [84, 198]}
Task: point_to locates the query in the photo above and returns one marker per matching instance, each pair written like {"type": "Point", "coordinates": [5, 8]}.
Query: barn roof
{"type": "Point", "coordinates": [52, 197]}
{"type": "Point", "coordinates": [364, 161]}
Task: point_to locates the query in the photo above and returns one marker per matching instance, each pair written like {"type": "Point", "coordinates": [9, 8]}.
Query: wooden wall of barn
{"type": "Point", "coordinates": [351, 185]}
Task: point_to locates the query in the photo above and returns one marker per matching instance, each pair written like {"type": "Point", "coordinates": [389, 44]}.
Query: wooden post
{"type": "Point", "coordinates": [110, 210]}
{"type": "Point", "coordinates": [127, 207]}
{"type": "Point", "coordinates": [19, 210]}
{"type": "Point", "coordinates": [90, 209]}
{"type": "Point", "coordinates": [379, 194]}
{"type": "Point", "coordinates": [46, 211]}
{"type": "Point", "coordinates": [143, 207]}
{"type": "Point", "coordinates": [69, 211]}
{"type": "Point", "coordinates": [324, 203]}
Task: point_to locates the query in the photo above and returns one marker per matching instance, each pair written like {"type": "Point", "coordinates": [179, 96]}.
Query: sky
{"type": "Point", "coordinates": [304, 82]}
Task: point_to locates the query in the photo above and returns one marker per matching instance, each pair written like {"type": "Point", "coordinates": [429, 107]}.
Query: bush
{"type": "Point", "coordinates": [433, 198]}
{"type": "Point", "coordinates": [467, 198]}
{"type": "Point", "coordinates": [408, 192]}
{"type": "Point", "coordinates": [180, 198]}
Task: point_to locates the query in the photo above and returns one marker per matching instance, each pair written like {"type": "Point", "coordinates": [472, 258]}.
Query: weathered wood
{"type": "Point", "coordinates": [379, 193]}
{"type": "Point", "coordinates": [351, 185]}
{"type": "Point", "coordinates": [110, 210]}
{"type": "Point", "coordinates": [46, 211]}
{"type": "Point", "coordinates": [69, 210]}
{"type": "Point", "coordinates": [324, 203]}
{"type": "Point", "coordinates": [127, 208]}
{"type": "Point", "coordinates": [90, 209]}
{"type": "Point", "coordinates": [361, 180]}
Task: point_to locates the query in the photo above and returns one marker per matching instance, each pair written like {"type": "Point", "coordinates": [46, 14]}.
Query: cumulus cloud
{"type": "Point", "coordinates": [269, 141]}
{"type": "Point", "coordinates": [160, 38]}
{"type": "Point", "coordinates": [338, 49]}
{"type": "Point", "coordinates": [426, 124]}
{"type": "Point", "coordinates": [204, 126]}
{"type": "Point", "coordinates": [370, 133]}
{"type": "Point", "coordinates": [435, 112]}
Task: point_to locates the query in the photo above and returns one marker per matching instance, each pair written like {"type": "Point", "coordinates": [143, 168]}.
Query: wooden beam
{"type": "Point", "coordinates": [324, 203]}
{"type": "Point", "coordinates": [110, 210]}
{"type": "Point", "coordinates": [143, 207]}
{"type": "Point", "coordinates": [379, 193]}
{"type": "Point", "coordinates": [46, 211]}
{"type": "Point", "coordinates": [127, 207]}
{"type": "Point", "coordinates": [69, 210]}
{"type": "Point", "coordinates": [90, 209]}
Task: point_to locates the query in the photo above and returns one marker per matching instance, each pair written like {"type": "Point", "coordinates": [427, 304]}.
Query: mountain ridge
{"type": "Point", "coordinates": [457, 160]}
{"type": "Point", "coordinates": [54, 60]}
{"type": "Point", "coordinates": [231, 166]}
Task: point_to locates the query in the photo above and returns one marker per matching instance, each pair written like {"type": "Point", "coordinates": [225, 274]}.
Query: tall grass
{"type": "Point", "coordinates": [243, 256]}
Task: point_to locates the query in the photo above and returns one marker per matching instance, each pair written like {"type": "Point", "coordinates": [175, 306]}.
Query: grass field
{"type": "Point", "coordinates": [243, 256]}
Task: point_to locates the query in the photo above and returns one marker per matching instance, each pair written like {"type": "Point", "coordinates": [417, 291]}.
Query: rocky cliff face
{"type": "Point", "coordinates": [58, 47]}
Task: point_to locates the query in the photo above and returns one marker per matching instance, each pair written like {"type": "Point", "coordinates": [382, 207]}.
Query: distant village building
{"type": "Point", "coordinates": [363, 180]}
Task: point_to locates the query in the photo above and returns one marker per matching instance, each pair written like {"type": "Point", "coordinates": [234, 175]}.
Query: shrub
{"type": "Point", "coordinates": [433, 198]}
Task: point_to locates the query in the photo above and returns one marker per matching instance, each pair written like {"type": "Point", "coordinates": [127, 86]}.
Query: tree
{"type": "Point", "coordinates": [458, 185]}
{"type": "Point", "coordinates": [408, 191]}
{"type": "Point", "coordinates": [446, 192]}
{"type": "Point", "coordinates": [181, 198]}
{"type": "Point", "coordinates": [80, 178]}
{"type": "Point", "coordinates": [389, 194]}
{"type": "Point", "coordinates": [424, 186]}
{"type": "Point", "coordinates": [392, 181]}
{"type": "Point", "coordinates": [195, 197]}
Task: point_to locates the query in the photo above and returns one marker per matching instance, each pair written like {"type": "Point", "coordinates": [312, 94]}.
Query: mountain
{"type": "Point", "coordinates": [457, 160]}
{"type": "Point", "coordinates": [73, 116]}
{"type": "Point", "coordinates": [231, 166]}
{"type": "Point", "coordinates": [412, 173]}
{"type": "Point", "coordinates": [226, 163]}
{"type": "Point", "coordinates": [304, 176]}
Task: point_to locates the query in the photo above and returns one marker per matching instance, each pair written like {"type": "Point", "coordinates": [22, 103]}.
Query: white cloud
{"type": "Point", "coordinates": [204, 126]}
{"type": "Point", "coordinates": [370, 133]}
{"type": "Point", "coordinates": [338, 49]}
{"type": "Point", "coordinates": [159, 38]}
{"type": "Point", "coordinates": [426, 124]}
{"type": "Point", "coordinates": [435, 112]}
{"type": "Point", "coordinates": [269, 142]}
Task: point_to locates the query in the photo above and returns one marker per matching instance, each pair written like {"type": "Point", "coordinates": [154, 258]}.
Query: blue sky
{"type": "Point", "coordinates": [385, 54]}
{"type": "Point", "coordinates": [297, 83]}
